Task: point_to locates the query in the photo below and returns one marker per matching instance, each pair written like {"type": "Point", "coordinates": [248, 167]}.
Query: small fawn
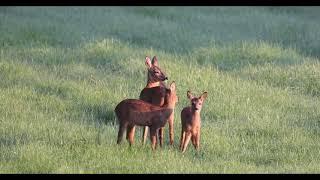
{"type": "Point", "coordinates": [154, 93]}
{"type": "Point", "coordinates": [191, 122]}
{"type": "Point", "coordinates": [132, 112]}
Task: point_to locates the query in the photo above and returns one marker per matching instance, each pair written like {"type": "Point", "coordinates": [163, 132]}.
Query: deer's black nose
{"type": "Point", "coordinates": [166, 78]}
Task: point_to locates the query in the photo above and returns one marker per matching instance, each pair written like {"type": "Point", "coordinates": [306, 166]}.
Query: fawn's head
{"type": "Point", "coordinates": [171, 97]}
{"type": "Point", "coordinates": [155, 74]}
{"type": "Point", "coordinates": [197, 102]}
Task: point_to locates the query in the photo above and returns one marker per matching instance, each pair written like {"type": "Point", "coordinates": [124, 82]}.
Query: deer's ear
{"type": "Point", "coordinates": [204, 96]}
{"type": "Point", "coordinates": [189, 95]}
{"type": "Point", "coordinates": [155, 61]}
{"type": "Point", "coordinates": [173, 86]}
{"type": "Point", "coordinates": [148, 62]}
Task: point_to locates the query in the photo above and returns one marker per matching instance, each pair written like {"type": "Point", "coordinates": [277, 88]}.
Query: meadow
{"type": "Point", "coordinates": [64, 69]}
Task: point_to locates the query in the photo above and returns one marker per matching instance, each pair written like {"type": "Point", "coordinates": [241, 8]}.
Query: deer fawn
{"type": "Point", "coordinates": [191, 122]}
{"type": "Point", "coordinates": [154, 93]}
{"type": "Point", "coordinates": [132, 112]}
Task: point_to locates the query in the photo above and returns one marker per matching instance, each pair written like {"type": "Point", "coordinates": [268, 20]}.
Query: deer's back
{"type": "Point", "coordinates": [154, 95]}
{"type": "Point", "coordinates": [134, 105]}
{"type": "Point", "coordinates": [138, 112]}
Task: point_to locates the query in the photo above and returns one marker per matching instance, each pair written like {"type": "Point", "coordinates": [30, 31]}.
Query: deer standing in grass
{"type": "Point", "coordinates": [134, 112]}
{"type": "Point", "coordinates": [191, 122]}
{"type": "Point", "coordinates": [154, 93]}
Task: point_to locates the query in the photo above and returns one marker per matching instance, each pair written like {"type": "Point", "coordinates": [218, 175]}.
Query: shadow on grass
{"type": "Point", "coordinates": [99, 113]}
{"type": "Point", "coordinates": [13, 140]}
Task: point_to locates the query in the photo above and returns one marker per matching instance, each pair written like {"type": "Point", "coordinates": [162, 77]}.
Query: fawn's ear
{"type": "Point", "coordinates": [148, 62]}
{"type": "Point", "coordinates": [155, 61]}
{"type": "Point", "coordinates": [204, 96]}
{"type": "Point", "coordinates": [173, 86]}
{"type": "Point", "coordinates": [189, 95]}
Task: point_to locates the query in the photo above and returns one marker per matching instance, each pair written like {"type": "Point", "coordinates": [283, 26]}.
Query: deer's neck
{"type": "Point", "coordinates": [168, 106]}
{"type": "Point", "coordinates": [196, 115]}
{"type": "Point", "coordinates": [152, 84]}
{"type": "Point", "coordinates": [167, 112]}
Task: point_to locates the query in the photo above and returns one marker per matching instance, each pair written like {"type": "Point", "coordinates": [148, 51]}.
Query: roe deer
{"type": "Point", "coordinates": [191, 122]}
{"type": "Point", "coordinates": [132, 112]}
{"type": "Point", "coordinates": [154, 93]}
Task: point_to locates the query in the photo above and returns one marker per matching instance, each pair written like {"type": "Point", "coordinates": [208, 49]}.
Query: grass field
{"type": "Point", "coordinates": [64, 69]}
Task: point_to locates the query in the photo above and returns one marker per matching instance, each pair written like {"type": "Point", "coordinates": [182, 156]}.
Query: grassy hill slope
{"type": "Point", "coordinates": [64, 69]}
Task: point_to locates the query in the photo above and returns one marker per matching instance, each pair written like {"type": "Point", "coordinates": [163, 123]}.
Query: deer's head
{"type": "Point", "coordinates": [197, 102]}
{"type": "Point", "coordinates": [155, 74]}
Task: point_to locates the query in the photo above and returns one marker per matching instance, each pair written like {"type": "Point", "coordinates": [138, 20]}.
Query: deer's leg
{"type": "Point", "coordinates": [145, 134]}
{"type": "Point", "coordinates": [186, 142]}
{"type": "Point", "coordinates": [198, 140]}
{"type": "Point", "coordinates": [153, 137]}
{"type": "Point", "coordinates": [171, 134]}
{"type": "Point", "coordinates": [127, 134]}
{"type": "Point", "coordinates": [130, 134]}
{"type": "Point", "coordinates": [122, 128]}
{"type": "Point", "coordinates": [194, 140]}
{"type": "Point", "coordinates": [161, 136]}
{"type": "Point", "coordinates": [182, 138]}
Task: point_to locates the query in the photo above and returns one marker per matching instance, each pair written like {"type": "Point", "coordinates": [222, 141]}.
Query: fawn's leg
{"type": "Point", "coordinates": [145, 134]}
{"type": "Point", "coordinates": [171, 134]}
{"type": "Point", "coordinates": [194, 140]}
{"type": "Point", "coordinates": [127, 134]}
{"type": "Point", "coordinates": [198, 140]}
{"type": "Point", "coordinates": [161, 136]}
{"type": "Point", "coordinates": [182, 138]}
{"type": "Point", "coordinates": [122, 128]}
{"type": "Point", "coordinates": [186, 142]}
{"type": "Point", "coordinates": [153, 137]}
{"type": "Point", "coordinates": [130, 134]}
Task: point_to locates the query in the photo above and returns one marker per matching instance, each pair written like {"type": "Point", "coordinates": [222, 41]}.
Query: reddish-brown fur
{"type": "Point", "coordinates": [154, 93]}
{"type": "Point", "coordinates": [134, 112]}
{"type": "Point", "coordinates": [191, 122]}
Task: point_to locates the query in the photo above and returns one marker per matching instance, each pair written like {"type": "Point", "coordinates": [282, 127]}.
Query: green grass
{"type": "Point", "coordinates": [64, 69]}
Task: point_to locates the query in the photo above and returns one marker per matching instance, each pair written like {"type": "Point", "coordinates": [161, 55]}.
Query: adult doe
{"type": "Point", "coordinates": [134, 112]}
{"type": "Point", "coordinates": [154, 93]}
{"type": "Point", "coordinates": [191, 122]}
